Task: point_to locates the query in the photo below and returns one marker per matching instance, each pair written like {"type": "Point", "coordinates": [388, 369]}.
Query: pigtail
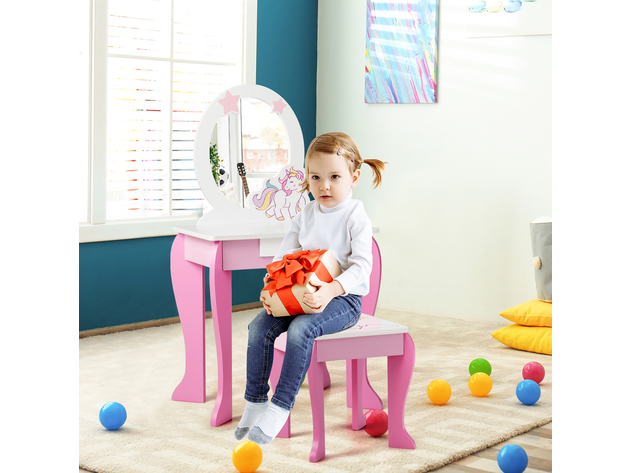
{"type": "Point", "coordinates": [378, 167]}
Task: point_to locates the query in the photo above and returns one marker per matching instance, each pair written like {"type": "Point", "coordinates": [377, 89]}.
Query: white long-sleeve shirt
{"type": "Point", "coordinates": [346, 230]}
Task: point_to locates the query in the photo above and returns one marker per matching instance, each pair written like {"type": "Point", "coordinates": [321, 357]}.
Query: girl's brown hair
{"type": "Point", "coordinates": [343, 145]}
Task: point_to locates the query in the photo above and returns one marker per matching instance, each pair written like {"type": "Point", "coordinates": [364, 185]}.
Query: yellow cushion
{"type": "Point", "coordinates": [534, 313]}
{"type": "Point", "coordinates": [534, 339]}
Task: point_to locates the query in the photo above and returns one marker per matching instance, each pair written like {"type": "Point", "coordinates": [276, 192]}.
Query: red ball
{"type": "Point", "coordinates": [375, 422]}
{"type": "Point", "coordinates": [534, 371]}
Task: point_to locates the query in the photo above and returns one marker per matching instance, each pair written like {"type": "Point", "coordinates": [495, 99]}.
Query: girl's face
{"type": "Point", "coordinates": [330, 179]}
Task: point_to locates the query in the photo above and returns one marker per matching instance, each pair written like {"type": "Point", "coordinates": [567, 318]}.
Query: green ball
{"type": "Point", "coordinates": [479, 365]}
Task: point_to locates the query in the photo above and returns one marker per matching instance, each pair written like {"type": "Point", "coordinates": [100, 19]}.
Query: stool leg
{"type": "Point", "coordinates": [358, 418]}
{"type": "Point", "coordinates": [371, 400]}
{"type": "Point", "coordinates": [326, 375]}
{"type": "Point", "coordinates": [399, 372]}
{"type": "Point", "coordinates": [274, 376]}
{"type": "Point", "coordinates": [316, 391]}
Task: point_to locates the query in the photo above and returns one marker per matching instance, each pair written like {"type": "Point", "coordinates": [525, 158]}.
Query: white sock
{"type": "Point", "coordinates": [269, 425]}
{"type": "Point", "coordinates": [253, 411]}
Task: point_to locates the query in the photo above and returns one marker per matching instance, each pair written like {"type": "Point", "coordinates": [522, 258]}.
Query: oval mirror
{"type": "Point", "coordinates": [245, 137]}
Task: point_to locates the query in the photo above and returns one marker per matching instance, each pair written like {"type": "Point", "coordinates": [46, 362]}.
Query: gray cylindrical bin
{"type": "Point", "coordinates": [540, 231]}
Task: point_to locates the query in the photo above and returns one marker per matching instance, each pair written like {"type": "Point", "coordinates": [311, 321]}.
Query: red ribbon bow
{"type": "Point", "coordinates": [291, 269]}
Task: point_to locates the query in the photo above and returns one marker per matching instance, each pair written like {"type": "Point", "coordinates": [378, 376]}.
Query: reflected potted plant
{"type": "Point", "coordinates": [217, 170]}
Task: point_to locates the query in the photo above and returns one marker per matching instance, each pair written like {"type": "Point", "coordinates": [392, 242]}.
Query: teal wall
{"type": "Point", "coordinates": [127, 281]}
{"type": "Point", "coordinates": [286, 59]}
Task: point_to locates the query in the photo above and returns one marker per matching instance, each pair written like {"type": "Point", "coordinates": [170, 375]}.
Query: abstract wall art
{"type": "Point", "coordinates": [401, 51]}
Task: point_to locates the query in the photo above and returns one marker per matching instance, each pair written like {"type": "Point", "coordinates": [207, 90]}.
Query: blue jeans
{"type": "Point", "coordinates": [342, 312]}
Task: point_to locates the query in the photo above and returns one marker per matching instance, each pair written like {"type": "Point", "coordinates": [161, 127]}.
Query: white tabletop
{"type": "Point", "coordinates": [236, 231]}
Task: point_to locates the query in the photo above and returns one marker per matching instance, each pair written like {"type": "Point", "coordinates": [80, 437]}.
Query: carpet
{"type": "Point", "coordinates": [140, 369]}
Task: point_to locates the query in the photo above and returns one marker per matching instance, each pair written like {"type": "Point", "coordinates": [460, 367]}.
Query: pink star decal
{"type": "Point", "coordinates": [229, 102]}
{"type": "Point", "coordinates": [278, 105]}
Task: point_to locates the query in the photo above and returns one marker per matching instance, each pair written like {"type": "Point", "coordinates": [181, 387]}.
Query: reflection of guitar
{"type": "Point", "coordinates": [241, 172]}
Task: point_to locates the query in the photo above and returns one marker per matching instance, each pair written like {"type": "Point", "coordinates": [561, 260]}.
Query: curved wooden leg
{"type": "Point", "coordinates": [188, 287]}
{"type": "Point", "coordinates": [358, 418]}
{"type": "Point", "coordinates": [399, 373]}
{"type": "Point", "coordinates": [326, 375]}
{"type": "Point", "coordinates": [371, 400]}
{"type": "Point", "coordinates": [316, 391]}
{"type": "Point", "coordinates": [221, 302]}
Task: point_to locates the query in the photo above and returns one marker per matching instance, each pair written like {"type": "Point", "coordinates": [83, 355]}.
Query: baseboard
{"type": "Point", "coordinates": [157, 323]}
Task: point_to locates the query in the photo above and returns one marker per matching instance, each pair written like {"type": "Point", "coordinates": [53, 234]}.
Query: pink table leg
{"type": "Point", "coordinates": [399, 372]}
{"type": "Point", "coordinates": [221, 302]}
{"type": "Point", "coordinates": [188, 287]}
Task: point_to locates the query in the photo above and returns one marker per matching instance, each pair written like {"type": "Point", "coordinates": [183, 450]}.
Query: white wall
{"type": "Point", "coordinates": [465, 176]}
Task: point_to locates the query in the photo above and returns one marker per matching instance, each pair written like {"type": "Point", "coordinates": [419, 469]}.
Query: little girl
{"type": "Point", "coordinates": [332, 221]}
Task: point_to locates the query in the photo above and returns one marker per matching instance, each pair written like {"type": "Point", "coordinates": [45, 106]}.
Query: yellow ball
{"type": "Point", "coordinates": [247, 457]}
{"type": "Point", "coordinates": [439, 391]}
{"type": "Point", "coordinates": [480, 384]}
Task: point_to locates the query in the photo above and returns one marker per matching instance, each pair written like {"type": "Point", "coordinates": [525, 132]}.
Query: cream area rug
{"type": "Point", "coordinates": [140, 370]}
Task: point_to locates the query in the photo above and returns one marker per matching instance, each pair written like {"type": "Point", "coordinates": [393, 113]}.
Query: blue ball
{"type": "Point", "coordinates": [528, 392]}
{"type": "Point", "coordinates": [512, 459]}
{"type": "Point", "coordinates": [112, 416]}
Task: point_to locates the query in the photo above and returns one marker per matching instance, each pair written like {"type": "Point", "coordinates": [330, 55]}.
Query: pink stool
{"type": "Point", "coordinates": [370, 337]}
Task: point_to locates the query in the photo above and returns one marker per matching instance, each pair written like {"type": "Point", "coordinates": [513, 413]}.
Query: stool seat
{"type": "Point", "coordinates": [367, 326]}
{"type": "Point", "coordinates": [389, 342]}
{"type": "Point", "coordinates": [369, 337]}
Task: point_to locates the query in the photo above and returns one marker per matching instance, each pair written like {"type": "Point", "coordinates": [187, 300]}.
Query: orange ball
{"type": "Point", "coordinates": [480, 384]}
{"type": "Point", "coordinates": [247, 457]}
{"type": "Point", "coordinates": [439, 391]}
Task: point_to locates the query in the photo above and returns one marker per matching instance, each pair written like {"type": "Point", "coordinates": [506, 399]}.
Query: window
{"type": "Point", "coordinates": [156, 65]}
{"type": "Point", "coordinates": [265, 142]}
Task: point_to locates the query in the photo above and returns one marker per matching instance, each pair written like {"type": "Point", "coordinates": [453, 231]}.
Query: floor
{"type": "Point", "coordinates": [536, 442]}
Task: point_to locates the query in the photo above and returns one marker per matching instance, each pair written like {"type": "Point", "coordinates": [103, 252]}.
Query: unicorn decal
{"type": "Point", "coordinates": [281, 197]}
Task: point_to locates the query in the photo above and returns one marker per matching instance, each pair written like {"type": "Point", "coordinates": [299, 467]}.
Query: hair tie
{"type": "Point", "coordinates": [341, 149]}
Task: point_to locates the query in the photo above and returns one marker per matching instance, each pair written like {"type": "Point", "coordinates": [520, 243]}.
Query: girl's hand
{"type": "Point", "coordinates": [325, 293]}
{"type": "Point", "coordinates": [267, 308]}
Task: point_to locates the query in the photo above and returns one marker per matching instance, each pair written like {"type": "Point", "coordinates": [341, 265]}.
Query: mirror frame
{"type": "Point", "coordinates": [224, 211]}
